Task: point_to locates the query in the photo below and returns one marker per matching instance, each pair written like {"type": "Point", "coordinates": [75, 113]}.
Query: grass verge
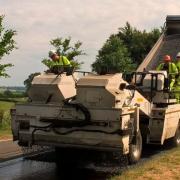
{"type": "Point", "coordinates": [5, 119]}
{"type": "Point", "coordinates": [5, 134]}
{"type": "Point", "coordinates": [166, 166]}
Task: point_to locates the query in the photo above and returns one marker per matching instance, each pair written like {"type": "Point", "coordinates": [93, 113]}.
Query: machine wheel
{"type": "Point", "coordinates": [135, 149]}
{"type": "Point", "coordinates": [176, 139]}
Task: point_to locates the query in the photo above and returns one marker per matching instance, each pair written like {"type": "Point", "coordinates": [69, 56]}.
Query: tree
{"type": "Point", "coordinates": [7, 44]}
{"type": "Point", "coordinates": [8, 93]}
{"type": "Point", "coordinates": [64, 47]}
{"type": "Point", "coordinates": [28, 81]}
{"type": "Point", "coordinates": [138, 43]}
{"type": "Point", "coordinates": [113, 57]}
{"type": "Point", "coordinates": [125, 50]}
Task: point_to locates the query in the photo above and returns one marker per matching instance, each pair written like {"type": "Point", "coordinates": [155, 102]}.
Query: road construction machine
{"type": "Point", "coordinates": [109, 112]}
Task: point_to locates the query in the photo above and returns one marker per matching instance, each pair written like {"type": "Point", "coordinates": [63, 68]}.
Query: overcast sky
{"type": "Point", "coordinates": [90, 21]}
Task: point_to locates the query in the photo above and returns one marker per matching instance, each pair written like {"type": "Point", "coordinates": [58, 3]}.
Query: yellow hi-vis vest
{"type": "Point", "coordinates": [178, 66]}
{"type": "Point", "coordinates": [171, 68]}
{"type": "Point", "coordinates": [63, 61]}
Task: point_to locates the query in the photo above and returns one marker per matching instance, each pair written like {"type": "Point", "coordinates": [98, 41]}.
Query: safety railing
{"type": "Point", "coordinates": [136, 79]}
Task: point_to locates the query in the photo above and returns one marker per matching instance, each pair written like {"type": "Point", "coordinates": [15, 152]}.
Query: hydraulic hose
{"type": "Point", "coordinates": [79, 106]}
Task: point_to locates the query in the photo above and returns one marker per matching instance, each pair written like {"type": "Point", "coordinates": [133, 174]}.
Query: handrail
{"type": "Point", "coordinates": [84, 72]}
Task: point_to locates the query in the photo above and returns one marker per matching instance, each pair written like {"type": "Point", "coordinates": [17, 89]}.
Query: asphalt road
{"type": "Point", "coordinates": [20, 169]}
{"type": "Point", "coordinates": [43, 167]}
{"type": "Point", "coordinates": [14, 167]}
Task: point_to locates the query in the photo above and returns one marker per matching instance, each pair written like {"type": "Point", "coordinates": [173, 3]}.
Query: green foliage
{"type": "Point", "coordinates": [113, 57]}
{"type": "Point", "coordinates": [64, 48]}
{"type": "Point", "coordinates": [5, 118]}
{"type": "Point", "coordinates": [8, 93]}
{"type": "Point", "coordinates": [7, 44]}
{"type": "Point", "coordinates": [138, 43]}
{"type": "Point", "coordinates": [164, 166]}
{"type": "Point", "coordinates": [47, 62]}
{"type": "Point", "coordinates": [28, 81]}
{"type": "Point", "coordinates": [5, 106]}
{"type": "Point", "coordinates": [3, 69]}
{"type": "Point", "coordinates": [125, 50]}
{"type": "Point", "coordinates": [76, 64]}
{"type": "Point", "coordinates": [1, 117]}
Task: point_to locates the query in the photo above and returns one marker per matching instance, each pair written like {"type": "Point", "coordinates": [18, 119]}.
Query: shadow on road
{"type": "Point", "coordinates": [102, 166]}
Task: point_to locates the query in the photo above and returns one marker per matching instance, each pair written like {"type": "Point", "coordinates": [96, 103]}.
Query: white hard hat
{"type": "Point", "coordinates": [178, 55]}
{"type": "Point", "coordinates": [52, 52]}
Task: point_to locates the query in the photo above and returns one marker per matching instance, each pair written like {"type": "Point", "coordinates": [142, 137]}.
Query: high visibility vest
{"type": "Point", "coordinates": [178, 66]}
{"type": "Point", "coordinates": [171, 68]}
{"type": "Point", "coordinates": [177, 82]}
{"type": "Point", "coordinates": [63, 61]}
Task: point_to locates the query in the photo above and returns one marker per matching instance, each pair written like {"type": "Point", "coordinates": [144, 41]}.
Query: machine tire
{"type": "Point", "coordinates": [135, 150]}
{"type": "Point", "coordinates": [176, 139]}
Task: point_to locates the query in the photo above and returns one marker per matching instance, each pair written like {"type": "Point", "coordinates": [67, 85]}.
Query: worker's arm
{"type": "Point", "coordinates": [172, 84]}
{"type": "Point", "coordinates": [172, 75]}
{"type": "Point", "coordinates": [178, 66]}
{"type": "Point", "coordinates": [175, 69]}
{"type": "Point", "coordinates": [159, 67]}
{"type": "Point", "coordinates": [66, 61]}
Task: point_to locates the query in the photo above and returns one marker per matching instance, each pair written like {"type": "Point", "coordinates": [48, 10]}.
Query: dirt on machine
{"type": "Point", "coordinates": [110, 112]}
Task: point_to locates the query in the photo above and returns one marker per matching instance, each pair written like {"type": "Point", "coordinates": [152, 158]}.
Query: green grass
{"type": "Point", "coordinates": [15, 100]}
{"type": "Point", "coordinates": [166, 166]}
{"type": "Point", "coordinates": [6, 106]}
{"type": "Point", "coordinates": [5, 133]}
{"type": "Point", "coordinates": [5, 119]}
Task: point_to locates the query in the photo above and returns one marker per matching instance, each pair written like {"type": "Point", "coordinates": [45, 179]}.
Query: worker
{"type": "Point", "coordinates": [178, 61]}
{"type": "Point", "coordinates": [176, 87]}
{"type": "Point", "coordinates": [59, 63]}
{"type": "Point", "coordinates": [171, 69]}
{"type": "Point", "coordinates": [58, 59]}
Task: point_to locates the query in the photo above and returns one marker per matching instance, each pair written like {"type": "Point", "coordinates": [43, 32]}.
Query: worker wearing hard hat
{"type": "Point", "coordinates": [58, 61]}
{"type": "Point", "coordinates": [170, 67]}
{"type": "Point", "coordinates": [178, 61]}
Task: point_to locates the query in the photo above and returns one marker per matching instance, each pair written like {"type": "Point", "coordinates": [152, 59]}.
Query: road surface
{"type": "Point", "coordinates": [43, 166]}
{"type": "Point", "coordinates": [9, 149]}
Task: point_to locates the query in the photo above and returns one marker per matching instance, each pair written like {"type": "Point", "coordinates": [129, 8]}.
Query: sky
{"type": "Point", "coordinates": [89, 21]}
